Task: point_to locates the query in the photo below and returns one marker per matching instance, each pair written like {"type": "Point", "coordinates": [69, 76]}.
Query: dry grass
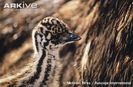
{"type": "Point", "coordinates": [105, 51]}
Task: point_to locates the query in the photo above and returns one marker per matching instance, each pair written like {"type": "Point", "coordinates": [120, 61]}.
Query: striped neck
{"type": "Point", "coordinates": [44, 65]}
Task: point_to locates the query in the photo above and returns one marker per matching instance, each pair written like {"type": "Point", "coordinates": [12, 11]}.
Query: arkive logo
{"type": "Point", "coordinates": [20, 5]}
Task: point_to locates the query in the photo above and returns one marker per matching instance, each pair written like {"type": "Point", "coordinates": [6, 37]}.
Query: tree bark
{"type": "Point", "coordinates": [105, 51]}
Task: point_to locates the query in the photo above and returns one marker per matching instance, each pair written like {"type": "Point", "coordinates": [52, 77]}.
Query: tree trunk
{"type": "Point", "coordinates": [104, 53]}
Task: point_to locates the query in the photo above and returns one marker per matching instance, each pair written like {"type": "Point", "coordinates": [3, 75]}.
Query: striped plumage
{"type": "Point", "coordinates": [48, 36]}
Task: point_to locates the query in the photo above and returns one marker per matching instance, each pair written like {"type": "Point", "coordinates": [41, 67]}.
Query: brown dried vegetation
{"type": "Point", "coordinates": [105, 52]}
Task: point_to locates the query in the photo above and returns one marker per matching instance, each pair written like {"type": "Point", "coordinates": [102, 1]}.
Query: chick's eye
{"type": "Point", "coordinates": [64, 35]}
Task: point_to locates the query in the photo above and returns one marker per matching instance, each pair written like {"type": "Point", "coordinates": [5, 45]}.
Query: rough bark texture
{"type": "Point", "coordinates": [105, 52]}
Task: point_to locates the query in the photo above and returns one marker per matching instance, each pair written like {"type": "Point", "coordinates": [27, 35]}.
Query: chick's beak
{"type": "Point", "coordinates": [72, 37]}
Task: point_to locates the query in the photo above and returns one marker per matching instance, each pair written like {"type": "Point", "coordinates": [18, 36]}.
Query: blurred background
{"type": "Point", "coordinates": [16, 25]}
{"type": "Point", "coordinates": [105, 52]}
